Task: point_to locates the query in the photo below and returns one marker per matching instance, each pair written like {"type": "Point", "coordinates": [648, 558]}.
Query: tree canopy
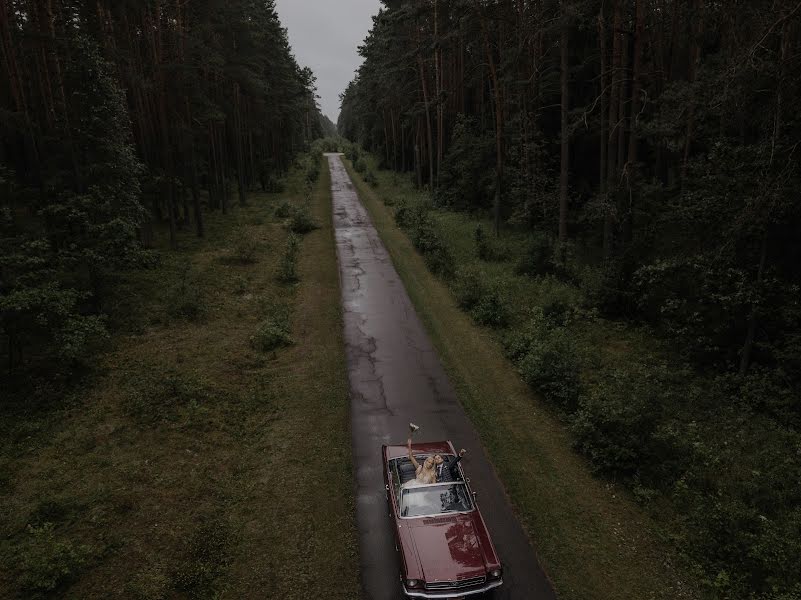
{"type": "Point", "coordinates": [114, 116]}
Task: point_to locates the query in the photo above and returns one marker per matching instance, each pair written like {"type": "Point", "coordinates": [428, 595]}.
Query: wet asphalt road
{"type": "Point", "coordinates": [396, 377]}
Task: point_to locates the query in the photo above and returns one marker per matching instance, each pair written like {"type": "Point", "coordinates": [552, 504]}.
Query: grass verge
{"type": "Point", "coordinates": [592, 538]}
{"type": "Point", "coordinates": [188, 464]}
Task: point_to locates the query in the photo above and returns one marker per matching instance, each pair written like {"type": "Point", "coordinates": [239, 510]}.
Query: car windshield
{"type": "Point", "coordinates": [434, 499]}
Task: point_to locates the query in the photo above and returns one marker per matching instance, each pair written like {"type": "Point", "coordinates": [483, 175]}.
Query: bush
{"type": "Point", "coordinates": [407, 214]}
{"type": "Point", "coordinates": [274, 185]}
{"type": "Point", "coordinates": [284, 209]}
{"type": "Point", "coordinates": [46, 562]}
{"type": "Point", "coordinates": [301, 221]}
{"type": "Point", "coordinates": [623, 425]}
{"type": "Point", "coordinates": [325, 145]}
{"type": "Point", "coordinates": [538, 258]}
{"type": "Point", "coordinates": [245, 250]}
{"type": "Point", "coordinates": [371, 179]}
{"type": "Point", "coordinates": [427, 238]}
{"type": "Point", "coordinates": [560, 302]}
{"type": "Point", "coordinates": [416, 220]}
{"type": "Point", "coordinates": [492, 308]}
{"type": "Point", "coordinates": [603, 287]}
{"type": "Point", "coordinates": [488, 249]}
{"type": "Point", "coordinates": [184, 299]}
{"type": "Point", "coordinates": [468, 287]}
{"type": "Point", "coordinates": [361, 166]}
{"type": "Point", "coordinates": [312, 169]}
{"type": "Point", "coordinates": [352, 152]}
{"type": "Point", "coordinates": [547, 360]}
{"type": "Point", "coordinates": [288, 268]}
{"type": "Point", "coordinates": [440, 262]}
{"type": "Point", "coordinates": [550, 366]}
{"type": "Point", "coordinates": [273, 333]}
{"type": "Point", "coordinates": [487, 302]}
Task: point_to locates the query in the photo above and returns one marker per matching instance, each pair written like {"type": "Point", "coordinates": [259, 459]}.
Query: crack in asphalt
{"type": "Point", "coordinates": [395, 377]}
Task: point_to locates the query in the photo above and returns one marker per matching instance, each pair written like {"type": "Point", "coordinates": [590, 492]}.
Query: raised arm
{"type": "Point", "coordinates": [452, 467]}
{"type": "Point", "coordinates": [411, 456]}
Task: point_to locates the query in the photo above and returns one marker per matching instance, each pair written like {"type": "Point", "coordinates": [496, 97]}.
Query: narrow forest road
{"type": "Point", "coordinates": [396, 377]}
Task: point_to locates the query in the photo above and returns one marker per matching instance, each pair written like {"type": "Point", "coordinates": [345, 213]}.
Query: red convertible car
{"type": "Point", "coordinates": [445, 549]}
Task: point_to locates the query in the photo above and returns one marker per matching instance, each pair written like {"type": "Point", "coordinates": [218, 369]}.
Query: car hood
{"type": "Point", "coordinates": [448, 548]}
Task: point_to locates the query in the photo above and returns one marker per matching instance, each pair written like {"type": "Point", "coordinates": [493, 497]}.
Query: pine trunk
{"type": "Point", "coordinates": [564, 144]}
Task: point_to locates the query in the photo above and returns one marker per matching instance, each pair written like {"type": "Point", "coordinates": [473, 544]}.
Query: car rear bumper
{"type": "Point", "coordinates": [442, 594]}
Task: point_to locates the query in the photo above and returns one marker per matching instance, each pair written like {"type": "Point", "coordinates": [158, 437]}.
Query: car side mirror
{"type": "Point", "coordinates": [475, 495]}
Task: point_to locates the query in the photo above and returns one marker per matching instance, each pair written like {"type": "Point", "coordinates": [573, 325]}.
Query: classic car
{"type": "Point", "coordinates": [444, 547]}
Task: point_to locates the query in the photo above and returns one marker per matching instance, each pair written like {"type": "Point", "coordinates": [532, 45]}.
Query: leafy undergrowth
{"type": "Point", "coordinates": [593, 538]}
{"type": "Point", "coordinates": [186, 465]}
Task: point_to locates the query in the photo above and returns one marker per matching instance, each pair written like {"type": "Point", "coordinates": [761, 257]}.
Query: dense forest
{"type": "Point", "coordinates": [117, 120]}
{"type": "Point", "coordinates": [647, 152]}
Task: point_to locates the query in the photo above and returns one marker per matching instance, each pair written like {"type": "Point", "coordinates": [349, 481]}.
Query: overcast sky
{"type": "Point", "coordinates": [324, 35]}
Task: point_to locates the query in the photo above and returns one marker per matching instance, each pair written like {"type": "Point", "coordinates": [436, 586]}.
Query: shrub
{"type": "Point", "coordinates": [326, 145]}
{"type": "Point", "coordinates": [361, 166]}
{"type": "Point", "coordinates": [492, 308]}
{"type": "Point", "coordinates": [487, 302]}
{"type": "Point", "coordinates": [468, 288]}
{"type": "Point", "coordinates": [352, 152]}
{"type": "Point", "coordinates": [546, 359]}
{"type": "Point", "coordinates": [440, 262]}
{"type": "Point", "coordinates": [274, 185]}
{"type": "Point", "coordinates": [46, 562]}
{"type": "Point", "coordinates": [301, 221]}
{"type": "Point", "coordinates": [550, 365]}
{"type": "Point", "coordinates": [482, 245]}
{"type": "Point", "coordinates": [427, 238]}
{"type": "Point", "coordinates": [405, 214]}
{"type": "Point", "coordinates": [603, 287]}
{"type": "Point", "coordinates": [53, 509]}
{"type": "Point", "coordinates": [79, 337]}
{"type": "Point", "coordinates": [623, 426]}
{"type": "Point", "coordinates": [273, 333]}
{"type": "Point", "coordinates": [288, 268]}
{"type": "Point", "coordinates": [371, 179]}
{"type": "Point", "coordinates": [245, 250]}
{"type": "Point", "coordinates": [538, 258]}
{"type": "Point", "coordinates": [489, 249]}
{"type": "Point", "coordinates": [415, 219]}
{"type": "Point", "coordinates": [284, 209]}
{"type": "Point", "coordinates": [184, 299]}
{"type": "Point", "coordinates": [559, 301]}
{"type": "Point", "coordinates": [312, 170]}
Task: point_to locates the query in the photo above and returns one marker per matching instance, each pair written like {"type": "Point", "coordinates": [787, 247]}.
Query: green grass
{"type": "Point", "coordinates": [189, 462]}
{"type": "Point", "coordinates": [594, 541]}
